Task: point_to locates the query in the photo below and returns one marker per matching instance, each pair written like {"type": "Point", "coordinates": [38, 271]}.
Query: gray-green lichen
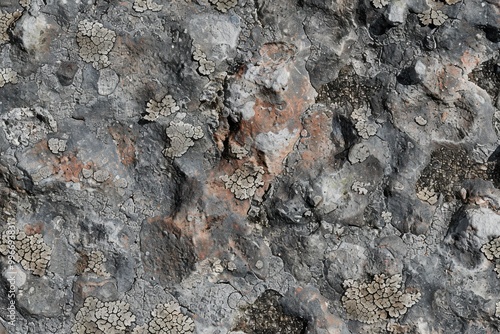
{"type": "Point", "coordinates": [432, 17]}
{"type": "Point", "coordinates": [363, 125]}
{"type": "Point", "coordinates": [428, 195]}
{"type": "Point", "coordinates": [206, 67]}
{"type": "Point", "coordinates": [28, 250]}
{"type": "Point", "coordinates": [56, 145]}
{"type": "Point", "coordinates": [492, 252]}
{"type": "Point", "coordinates": [358, 153]}
{"type": "Point", "coordinates": [95, 43]}
{"type": "Point", "coordinates": [182, 136]}
{"type": "Point", "coordinates": [7, 75]}
{"type": "Point", "coordinates": [6, 21]}
{"type": "Point", "coordinates": [98, 317]}
{"type": "Point", "coordinates": [165, 107]}
{"type": "Point", "coordinates": [377, 300]}
{"type": "Point", "coordinates": [143, 5]}
{"type": "Point", "coordinates": [95, 264]}
{"type": "Point", "coordinates": [244, 181]}
{"type": "Point", "coordinates": [380, 3]}
{"type": "Point", "coordinates": [167, 319]}
{"type": "Point", "coordinates": [224, 5]}
{"type": "Point", "coordinates": [25, 126]}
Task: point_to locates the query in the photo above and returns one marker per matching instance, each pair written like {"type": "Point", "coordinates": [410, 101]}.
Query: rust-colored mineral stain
{"type": "Point", "coordinates": [125, 140]}
{"type": "Point", "coordinates": [33, 229]}
{"type": "Point", "coordinates": [69, 168]}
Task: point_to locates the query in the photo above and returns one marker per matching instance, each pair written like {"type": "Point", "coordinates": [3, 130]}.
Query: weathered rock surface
{"type": "Point", "coordinates": [223, 166]}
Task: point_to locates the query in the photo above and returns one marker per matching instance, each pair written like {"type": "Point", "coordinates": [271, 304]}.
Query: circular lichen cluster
{"type": "Point", "coordinates": [97, 316]}
{"type": "Point", "coordinates": [7, 75]}
{"type": "Point", "coordinates": [244, 181]}
{"type": "Point", "coordinates": [166, 107]}
{"type": "Point", "coordinates": [378, 300]}
{"type": "Point", "coordinates": [6, 20]}
{"type": "Point", "coordinates": [206, 66]}
{"type": "Point", "coordinates": [95, 43]}
{"type": "Point", "coordinates": [182, 136]}
{"type": "Point", "coordinates": [167, 319]}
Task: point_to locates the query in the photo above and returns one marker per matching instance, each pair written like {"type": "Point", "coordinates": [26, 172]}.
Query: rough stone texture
{"type": "Point", "coordinates": [228, 166]}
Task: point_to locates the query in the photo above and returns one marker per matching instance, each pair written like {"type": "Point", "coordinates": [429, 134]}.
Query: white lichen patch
{"type": "Point", "coordinates": [497, 310]}
{"type": "Point", "coordinates": [387, 216]}
{"type": "Point", "coordinates": [239, 151]}
{"type": "Point", "coordinates": [224, 5]}
{"type": "Point", "coordinates": [167, 319]}
{"type": "Point", "coordinates": [182, 136]}
{"type": "Point", "coordinates": [363, 125]}
{"type": "Point", "coordinates": [244, 182]}
{"type": "Point", "coordinates": [144, 5]}
{"type": "Point", "coordinates": [6, 21]}
{"type": "Point", "coordinates": [452, 2]}
{"type": "Point", "coordinates": [25, 126]}
{"type": "Point", "coordinates": [358, 153]}
{"type": "Point", "coordinates": [492, 249]}
{"type": "Point", "coordinates": [432, 16]}
{"type": "Point", "coordinates": [101, 175]}
{"type": "Point", "coordinates": [41, 174]}
{"type": "Point", "coordinates": [8, 75]}
{"type": "Point", "coordinates": [378, 300]}
{"type": "Point", "coordinates": [56, 145]}
{"type": "Point", "coordinates": [360, 187]}
{"type": "Point", "coordinates": [25, 3]}
{"type": "Point", "coordinates": [95, 264]}
{"type": "Point", "coordinates": [380, 3]}
{"type": "Point", "coordinates": [154, 109]}
{"type": "Point", "coordinates": [428, 195]}
{"type": "Point", "coordinates": [96, 316]}
{"type": "Point", "coordinates": [95, 43]}
{"type": "Point", "coordinates": [205, 66]}
{"type": "Point", "coordinates": [420, 121]}
{"type": "Point", "coordinates": [28, 250]}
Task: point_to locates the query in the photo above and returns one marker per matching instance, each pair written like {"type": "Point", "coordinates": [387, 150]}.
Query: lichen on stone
{"type": "Point", "coordinates": [95, 264]}
{"type": "Point", "coordinates": [244, 181]}
{"type": "Point", "coordinates": [358, 153]}
{"type": "Point", "coordinates": [360, 187]}
{"type": "Point", "coordinates": [492, 252]}
{"type": "Point", "coordinates": [100, 317]}
{"type": "Point", "coordinates": [428, 195]}
{"type": "Point", "coordinates": [6, 21]}
{"type": "Point", "coordinates": [165, 107]}
{"type": "Point", "coordinates": [101, 175]}
{"type": "Point", "coordinates": [378, 300]}
{"type": "Point", "coordinates": [25, 126]}
{"type": "Point", "coordinates": [143, 5]}
{"type": "Point", "coordinates": [167, 319]}
{"type": "Point", "coordinates": [8, 75]}
{"type": "Point", "coordinates": [95, 42]}
{"type": "Point", "coordinates": [492, 249]}
{"type": "Point", "coordinates": [25, 3]}
{"type": "Point", "coordinates": [387, 216]}
{"type": "Point", "coordinates": [205, 66]}
{"type": "Point", "coordinates": [432, 17]}
{"type": "Point", "coordinates": [29, 250]}
{"type": "Point", "coordinates": [56, 145]}
{"type": "Point", "coordinates": [182, 136]}
{"type": "Point", "coordinates": [380, 3]}
{"type": "Point", "coordinates": [363, 125]}
{"type": "Point", "coordinates": [224, 5]}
